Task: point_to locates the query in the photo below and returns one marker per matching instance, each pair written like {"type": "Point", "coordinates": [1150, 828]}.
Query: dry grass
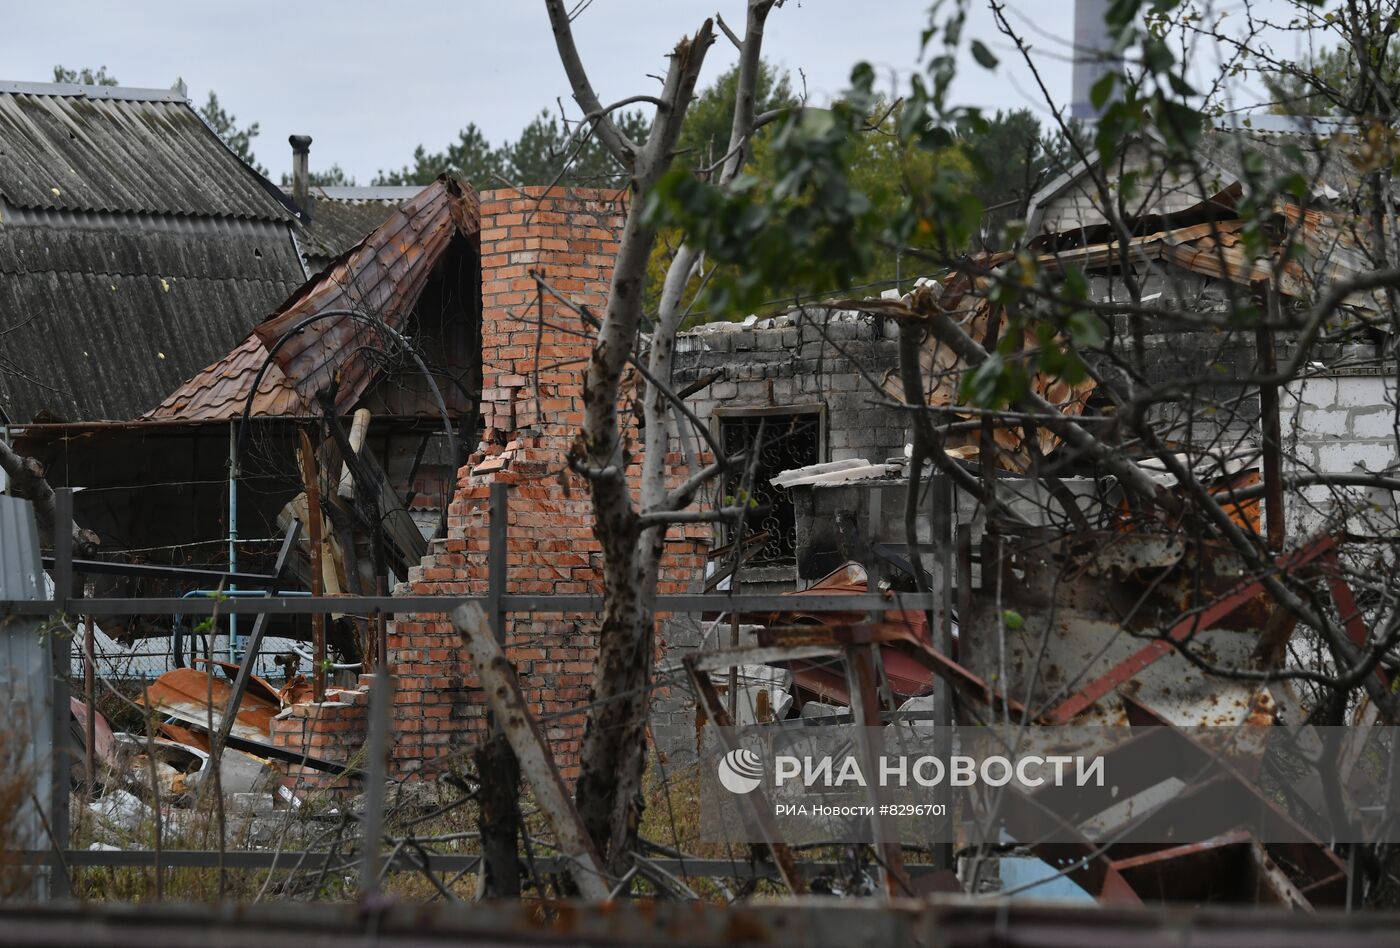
{"type": "Point", "coordinates": [16, 787]}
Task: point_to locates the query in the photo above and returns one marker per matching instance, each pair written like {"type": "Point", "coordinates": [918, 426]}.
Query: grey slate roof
{"type": "Point", "coordinates": [157, 254]}
{"type": "Point", "coordinates": [106, 148]}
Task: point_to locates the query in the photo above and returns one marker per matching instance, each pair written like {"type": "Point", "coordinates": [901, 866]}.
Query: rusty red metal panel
{"type": "Point", "coordinates": [1348, 610]}
{"type": "Point", "coordinates": [185, 694]}
{"type": "Point", "coordinates": [383, 277]}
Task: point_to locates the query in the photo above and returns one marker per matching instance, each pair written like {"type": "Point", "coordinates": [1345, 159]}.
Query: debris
{"type": "Point", "coordinates": [119, 815]}
{"type": "Point", "coordinates": [179, 768]}
{"type": "Point", "coordinates": [198, 698]}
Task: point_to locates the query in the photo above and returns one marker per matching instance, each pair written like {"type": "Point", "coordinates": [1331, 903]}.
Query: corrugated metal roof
{"type": "Point", "coordinates": [218, 392]}
{"type": "Point", "coordinates": [1215, 249]}
{"type": "Point", "coordinates": [105, 312]}
{"type": "Point", "coordinates": [384, 274]}
{"type": "Point", "coordinates": [83, 148]}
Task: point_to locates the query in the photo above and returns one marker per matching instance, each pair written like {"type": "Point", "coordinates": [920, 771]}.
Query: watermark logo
{"type": "Point", "coordinates": [740, 771]}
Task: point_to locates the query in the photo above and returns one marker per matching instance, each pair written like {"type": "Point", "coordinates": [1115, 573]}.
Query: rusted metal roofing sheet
{"type": "Point", "coordinates": [342, 217]}
{"type": "Point", "coordinates": [185, 694]}
{"type": "Point", "coordinates": [826, 679]}
{"type": "Point", "coordinates": [112, 149]}
{"type": "Point", "coordinates": [383, 275]}
{"type": "Point", "coordinates": [219, 392]}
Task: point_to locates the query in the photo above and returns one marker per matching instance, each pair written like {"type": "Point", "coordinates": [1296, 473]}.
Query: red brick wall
{"type": "Point", "coordinates": [532, 411]}
{"type": "Point", "coordinates": [331, 730]}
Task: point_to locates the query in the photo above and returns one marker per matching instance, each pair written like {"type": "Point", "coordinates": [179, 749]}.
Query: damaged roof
{"type": "Point", "coordinates": [134, 248]}
{"type": "Point", "coordinates": [342, 216]}
{"type": "Point", "coordinates": [1324, 152]}
{"type": "Point", "coordinates": [383, 274]}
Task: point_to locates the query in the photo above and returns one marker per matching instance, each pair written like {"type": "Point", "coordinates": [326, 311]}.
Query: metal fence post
{"type": "Point", "coordinates": [62, 647]}
{"type": "Point", "coordinates": [381, 702]}
{"type": "Point", "coordinates": [496, 559]}
{"type": "Point", "coordinates": [942, 524]}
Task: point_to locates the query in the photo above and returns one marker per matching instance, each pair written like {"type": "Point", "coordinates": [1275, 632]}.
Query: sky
{"type": "Point", "coordinates": [369, 82]}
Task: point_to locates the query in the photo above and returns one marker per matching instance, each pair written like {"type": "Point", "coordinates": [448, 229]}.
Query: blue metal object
{"type": "Point", "coordinates": [177, 628]}
{"type": "Point", "coordinates": [234, 644]}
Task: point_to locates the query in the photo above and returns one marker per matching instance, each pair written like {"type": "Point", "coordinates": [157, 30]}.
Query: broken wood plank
{"type": "Point", "coordinates": [513, 716]}
{"type": "Point", "coordinates": [387, 512]}
{"type": "Point", "coordinates": [865, 705]}
{"type": "Point", "coordinates": [718, 716]}
{"type": "Point", "coordinates": [359, 430]}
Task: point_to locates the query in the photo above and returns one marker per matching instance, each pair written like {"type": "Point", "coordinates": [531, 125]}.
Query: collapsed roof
{"type": "Point", "coordinates": [382, 276]}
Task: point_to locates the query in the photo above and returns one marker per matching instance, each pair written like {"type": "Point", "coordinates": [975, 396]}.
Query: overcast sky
{"type": "Point", "coordinates": [370, 81]}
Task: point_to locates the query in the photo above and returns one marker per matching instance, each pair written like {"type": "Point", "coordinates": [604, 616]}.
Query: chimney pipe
{"type": "Point", "coordinates": [1093, 57]}
{"type": "Point", "coordinates": [301, 173]}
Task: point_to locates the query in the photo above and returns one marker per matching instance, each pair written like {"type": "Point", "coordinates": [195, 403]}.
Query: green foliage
{"type": "Point", "coordinates": [802, 223]}
{"type": "Point", "coordinates": [332, 177]}
{"type": "Point", "coordinates": [471, 157]}
{"type": "Point", "coordinates": [1013, 160]}
{"type": "Point", "coordinates": [545, 152]}
{"type": "Point", "coordinates": [851, 196]}
{"type": "Point", "coordinates": [1332, 82]}
{"type": "Point", "coordinates": [704, 140]}
{"type": "Point", "coordinates": [84, 76]}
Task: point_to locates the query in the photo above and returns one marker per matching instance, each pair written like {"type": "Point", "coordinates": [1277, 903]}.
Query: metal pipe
{"type": "Point", "coordinates": [233, 642]}
{"type": "Point", "coordinates": [177, 631]}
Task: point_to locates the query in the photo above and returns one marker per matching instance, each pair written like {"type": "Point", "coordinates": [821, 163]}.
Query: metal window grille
{"type": "Point", "coordinates": [783, 441]}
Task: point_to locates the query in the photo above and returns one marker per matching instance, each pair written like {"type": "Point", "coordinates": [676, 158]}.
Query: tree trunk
{"type": "Point", "coordinates": [28, 482]}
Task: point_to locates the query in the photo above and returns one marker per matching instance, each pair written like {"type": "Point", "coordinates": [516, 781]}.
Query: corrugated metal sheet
{"type": "Point", "coordinates": [26, 671]}
{"type": "Point", "coordinates": [125, 150]}
{"type": "Point", "coordinates": [218, 392]}
{"type": "Point", "coordinates": [383, 274]}
{"type": "Point", "coordinates": [197, 698]}
{"type": "Point", "coordinates": [108, 315]}
{"type": "Point", "coordinates": [342, 217]}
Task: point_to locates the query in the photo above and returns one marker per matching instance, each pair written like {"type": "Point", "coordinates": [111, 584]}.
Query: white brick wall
{"type": "Point", "coordinates": [1338, 424]}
